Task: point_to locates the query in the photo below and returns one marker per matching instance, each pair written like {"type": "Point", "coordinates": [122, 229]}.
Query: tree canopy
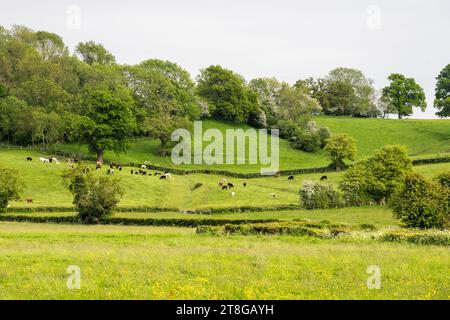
{"type": "Point", "coordinates": [404, 94]}
{"type": "Point", "coordinates": [442, 93]}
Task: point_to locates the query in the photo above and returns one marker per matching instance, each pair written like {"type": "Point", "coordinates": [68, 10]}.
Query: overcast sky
{"type": "Point", "coordinates": [287, 39]}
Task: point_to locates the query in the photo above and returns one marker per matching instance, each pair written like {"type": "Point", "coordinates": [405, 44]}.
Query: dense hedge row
{"type": "Point", "coordinates": [300, 228]}
{"type": "Point", "coordinates": [159, 209]}
{"type": "Point", "coordinates": [133, 221]}
{"type": "Point", "coordinates": [440, 239]}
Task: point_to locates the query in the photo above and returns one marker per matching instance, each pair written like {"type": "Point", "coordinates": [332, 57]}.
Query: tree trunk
{"type": "Point", "coordinates": [399, 116]}
{"type": "Point", "coordinates": [100, 155]}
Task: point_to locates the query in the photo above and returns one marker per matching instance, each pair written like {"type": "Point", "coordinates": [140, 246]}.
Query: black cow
{"type": "Point", "coordinates": [163, 177]}
{"type": "Point", "coordinates": [291, 178]}
{"type": "Point", "coordinates": [230, 185]}
{"type": "Point", "coordinates": [323, 178]}
{"type": "Point", "coordinates": [245, 184]}
{"type": "Point", "coordinates": [29, 159]}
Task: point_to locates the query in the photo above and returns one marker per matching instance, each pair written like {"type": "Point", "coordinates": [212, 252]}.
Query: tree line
{"type": "Point", "coordinates": [48, 95]}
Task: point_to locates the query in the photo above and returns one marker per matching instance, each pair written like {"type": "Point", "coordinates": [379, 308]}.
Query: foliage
{"type": "Point", "coordinates": [317, 195]}
{"type": "Point", "coordinates": [442, 93]}
{"type": "Point", "coordinates": [404, 94]}
{"type": "Point", "coordinates": [109, 120]}
{"type": "Point", "coordinates": [376, 178]}
{"type": "Point", "coordinates": [227, 94]}
{"type": "Point", "coordinates": [444, 179]}
{"type": "Point", "coordinates": [11, 186]}
{"type": "Point", "coordinates": [420, 203]}
{"type": "Point", "coordinates": [344, 91]}
{"type": "Point", "coordinates": [340, 147]}
{"type": "Point", "coordinates": [92, 52]}
{"type": "Point", "coordinates": [94, 196]}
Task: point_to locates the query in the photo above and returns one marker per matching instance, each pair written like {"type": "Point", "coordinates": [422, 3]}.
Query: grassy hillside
{"type": "Point", "coordinates": [45, 186]}
{"type": "Point", "coordinates": [424, 139]}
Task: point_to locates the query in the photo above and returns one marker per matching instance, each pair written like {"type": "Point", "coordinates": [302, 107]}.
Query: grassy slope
{"type": "Point", "coordinates": [119, 262]}
{"type": "Point", "coordinates": [44, 185]}
{"type": "Point", "coordinates": [424, 138]}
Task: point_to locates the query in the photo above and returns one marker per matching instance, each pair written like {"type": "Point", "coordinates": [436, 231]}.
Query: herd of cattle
{"type": "Point", "coordinates": [223, 184]}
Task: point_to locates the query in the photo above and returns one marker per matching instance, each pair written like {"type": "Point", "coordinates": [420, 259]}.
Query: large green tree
{"type": "Point", "coordinates": [228, 96]}
{"type": "Point", "coordinates": [404, 94]}
{"type": "Point", "coordinates": [109, 120]}
{"type": "Point", "coordinates": [442, 93]}
{"type": "Point", "coordinates": [344, 91]}
{"type": "Point", "coordinates": [165, 95]}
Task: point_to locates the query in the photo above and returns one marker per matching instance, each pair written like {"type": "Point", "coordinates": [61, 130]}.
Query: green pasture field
{"type": "Point", "coordinates": [122, 262]}
{"type": "Point", "coordinates": [45, 186]}
{"type": "Point", "coordinates": [423, 138]}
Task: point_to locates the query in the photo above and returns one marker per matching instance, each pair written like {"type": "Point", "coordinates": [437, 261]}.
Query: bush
{"type": "Point", "coordinates": [444, 179]}
{"type": "Point", "coordinates": [94, 196]}
{"type": "Point", "coordinates": [376, 178]}
{"type": "Point", "coordinates": [420, 203]}
{"type": "Point", "coordinates": [316, 195]}
{"type": "Point", "coordinates": [11, 186]}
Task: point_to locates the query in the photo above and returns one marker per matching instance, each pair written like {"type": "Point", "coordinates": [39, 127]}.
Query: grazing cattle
{"type": "Point", "coordinates": [221, 184]}
{"type": "Point", "coordinates": [98, 167]}
{"type": "Point", "coordinates": [110, 171]}
{"type": "Point", "coordinates": [144, 173]}
{"type": "Point", "coordinates": [157, 173]}
{"type": "Point", "coordinates": [143, 166]}
{"type": "Point", "coordinates": [245, 184]}
{"type": "Point", "coordinates": [120, 168]}
{"type": "Point", "coordinates": [136, 172]}
{"type": "Point", "coordinates": [29, 159]}
{"type": "Point", "coordinates": [168, 175]}
{"type": "Point", "coordinates": [273, 195]}
{"type": "Point", "coordinates": [54, 159]}
{"type": "Point", "coordinates": [132, 171]}
{"type": "Point", "coordinates": [44, 160]}
{"type": "Point", "coordinates": [224, 187]}
{"type": "Point", "coordinates": [162, 177]}
{"type": "Point", "coordinates": [196, 186]}
{"type": "Point", "coordinates": [29, 200]}
{"type": "Point", "coordinates": [291, 178]}
{"type": "Point", "coordinates": [323, 178]}
{"type": "Point", "coordinates": [230, 185]}
{"type": "Point", "coordinates": [186, 173]}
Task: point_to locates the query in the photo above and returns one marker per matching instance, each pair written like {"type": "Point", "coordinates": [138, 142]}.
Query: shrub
{"type": "Point", "coordinates": [94, 196]}
{"type": "Point", "coordinates": [444, 179]}
{"type": "Point", "coordinates": [420, 203]}
{"type": "Point", "coordinates": [316, 195]}
{"type": "Point", "coordinates": [376, 178]}
{"type": "Point", "coordinates": [11, 186]}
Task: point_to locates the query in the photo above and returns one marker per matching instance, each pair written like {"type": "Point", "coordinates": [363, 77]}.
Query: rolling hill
{"type": "Point", "coordinates": [423, 138]}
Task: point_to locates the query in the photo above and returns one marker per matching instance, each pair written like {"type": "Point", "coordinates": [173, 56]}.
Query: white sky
{"type": "Point", "coordinates": [287, 39]}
